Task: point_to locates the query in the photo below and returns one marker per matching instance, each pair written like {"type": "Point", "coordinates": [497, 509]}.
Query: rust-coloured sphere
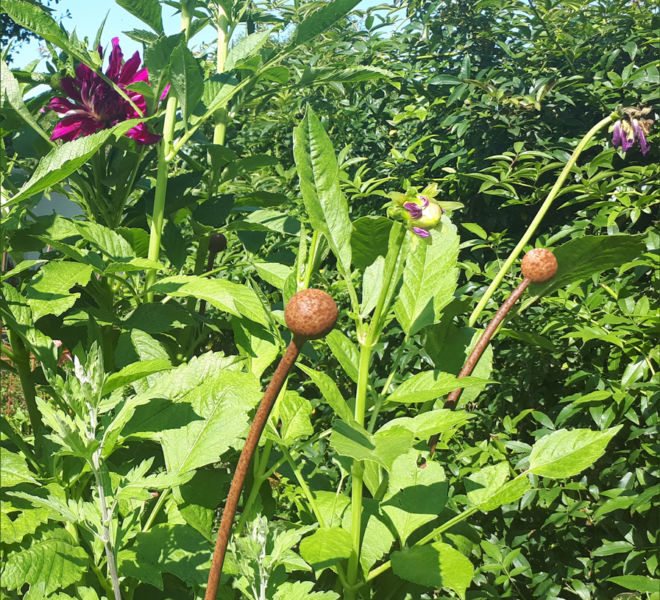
{"type": "Point", "coordinates": [311, 313]}
{"type": "Point", "coordinates": [217, 243]}
{"type": "Point", "coordinates": [539, 265]}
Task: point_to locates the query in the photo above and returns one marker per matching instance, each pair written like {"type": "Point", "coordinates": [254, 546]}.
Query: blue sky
{"type": "Point", "coordinates": [87, 15]}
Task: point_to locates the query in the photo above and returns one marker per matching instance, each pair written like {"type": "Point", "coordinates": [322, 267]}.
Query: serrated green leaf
{"type": "Point", "coordinates": [133, 372]}
{"type": "Point", "coordinates": [322, 19]}
{"type": "Point", "coordinates": [245, 48]}
{"type": "Point", "coordinates": [48, 292]}
{"type": "Point", "coordinates": [435, 565]}
{"type": "Point", "coordinates": [565, 453]}
{"type": "Point", "coordinates": [435, 421]}
{"type": "Point", "coordinates": [430, 385]}
{"type": "Point", "coordinates": [148, 11]}
{"type": "Point", "coordinates": [185, 78]}
{"type": "Point", "coordinates": [223, 401]}
{"type": "Point", "coordinates": [318, 172]}
{"type": "Point", "coordinates": [14, 469]}
{"type": "Point", "coordinates": [429, 279]}
{"type": "Point", "coordinates": [369, 239]}
{"type": "Point", "coordinates": [344, 351]}
{"type": "Point", "coordinates": [238, 300]}
{"type": "Point", "coordinates": [416, 494]}
{"type": "Point", "coordinates": [63, 160]}
{"type": "Point", "coordinates": [490, 487]}
{"type": "Point", "coordinates": [292, 413]}
{"type": "Point", "coordinates": [25, 523]}
{"type": "Point", "coordinates": [302, 590]}
{"type": "Point", "coordinates": [57, 562]}
{"type": "Point", "coordinates": [10, 89]}
{"type": "Point", "coordinates": [326, 547]}
{"type": "Point", "coordinates": [330, 392]}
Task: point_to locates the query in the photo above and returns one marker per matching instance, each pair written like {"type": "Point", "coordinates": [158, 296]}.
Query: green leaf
{"type": "Point", "coordinates": [322, 19]}
{"type": "Point", "coordinates": [369, 239]}
{"type": "Point", "coordinates": [585, 256]}
{"type": "Point", "coordinates": [63, 160]}
{"type": "Point", "coordinates": [435, 565]}
{"type": "Point", "coordinates": [176, 549]}
{"type": "Point", "coordinates": [637, 583]}
{"type": "Point", "coordinates": [107, 241]}
{"type": "Point", "coordinates": [489, 487]}
{"type": "Point", "coordinates": [223, 401]}
{"type": "Point", "coordinates": [14, 469]}
{"type": "Point", "coordinates": [275, 274]}
{"type": "Point", "coordinates": [344, 351]}
{"type": "Point", "coordinates": [377, 538]}
{"type": "Point", "coordinates": [186, 79]}
{"type": "Point", "coordinates": [354, 441]}
{"type": "Point", "coordinates": [435, 421]}
{"type": "Point", "coordinates": [133, 372]}
{"type": "Point", "coordinates": [36, 19]}
{"type": "Point", "coordinates": [25, 523]}
{"type": "Point", "coordinates": [238, 300]}
{"type": "Point", "coordinates": [148, 11]}
{"type": "Point", "coordinates": [318, 171]}
{"type": "Point", "coordinates": [245, 48]}
{"type": "Point", "coordinates": [10, 89]}
{"type": "Point", "coordinates": [565, 453]}
{"type": "Point", "coordinates": [157, 60]}
{"type": "Point", "coordinates": [293, 412]}
{"type": "Point", "coordinates": [326, 547]}
{"type": "Point", "coordinates": [430, 385]}
{"type": "Point", "coordinates": [330, 392]}
{"type": "Point", "coordinates": [416, 494]}
{"type": "Point", "coordinates": [429, 280]}
{"type": "Point", "coordinates": [301, 590]}
{"type": "Point", "coordinates": [55, 561]}
{"type": "Point", "coordinates": [48, 292]}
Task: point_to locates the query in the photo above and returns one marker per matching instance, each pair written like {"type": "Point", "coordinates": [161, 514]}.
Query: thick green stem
{"type": "Point", "coordinates": [22, 361]}
{"type": "Point", "coordinates": [357, 471]}
{"type": "Point", "coordinates": [220, 128]}
{"type": "Point", "coordinates": [157, 218]}
{"type": "Point", "coordinates": [539, 216]}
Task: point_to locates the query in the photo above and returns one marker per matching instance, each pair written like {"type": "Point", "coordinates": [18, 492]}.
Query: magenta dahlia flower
{"type": "Point", "coordinates": [92, 104]}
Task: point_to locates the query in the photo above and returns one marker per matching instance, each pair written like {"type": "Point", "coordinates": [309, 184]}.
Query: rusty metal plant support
{"type": "Point", "coordinates": [310, 314]}
{"type": "Point", "coordinates": [537, 266]}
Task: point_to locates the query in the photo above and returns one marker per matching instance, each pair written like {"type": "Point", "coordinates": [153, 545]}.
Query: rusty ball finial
{"type": "Point", "coordinates": [217, 243]}
{"type": "Point", "coordinates": [539, 265]}
{"type": "Point", "coordinates": [311, 314]}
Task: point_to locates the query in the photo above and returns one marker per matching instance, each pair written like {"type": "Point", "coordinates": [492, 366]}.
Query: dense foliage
{"type": "Point", "coordinates": [141, 345]}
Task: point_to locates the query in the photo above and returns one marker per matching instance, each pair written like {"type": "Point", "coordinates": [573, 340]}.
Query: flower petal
{"type": "Point", "coordinates": [421, 232]}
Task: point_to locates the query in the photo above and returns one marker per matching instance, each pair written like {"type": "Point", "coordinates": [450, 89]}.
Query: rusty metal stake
{"type": "Point", "coordinates": [538, 266]}
{"type": "Point", "coordinates": [310, 314]}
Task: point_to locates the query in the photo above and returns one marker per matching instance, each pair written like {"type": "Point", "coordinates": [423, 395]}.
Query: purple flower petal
{"type": "Point", "coordinates": [421, 232]}
{"type": "Point", "coordinates": [91, 104]}
{"type": "Point", "coordinates": [617, 135]}
{"type": "Point", "coordinates": [414, 209]}
{"type": "Point", "coordinates": [640, 137]}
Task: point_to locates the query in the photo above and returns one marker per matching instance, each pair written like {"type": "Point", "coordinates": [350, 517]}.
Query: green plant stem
{"type": "Point", "coordinates": [220, 128]}
{"type": "Point", "coordinates": [156, 509]}
{"type": "Point", "coordinates": [357, 470]}
{"type": "Point", "coordinates": [311, 262]}
{"type": "Point", "coordinates": [157, 218]}
{"type": "Point", "coordinates": [22, 361]}
{"type": "Point", "coordinates": [539, 216]}
{"type": "Point", "coordinates": [303, 485]}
